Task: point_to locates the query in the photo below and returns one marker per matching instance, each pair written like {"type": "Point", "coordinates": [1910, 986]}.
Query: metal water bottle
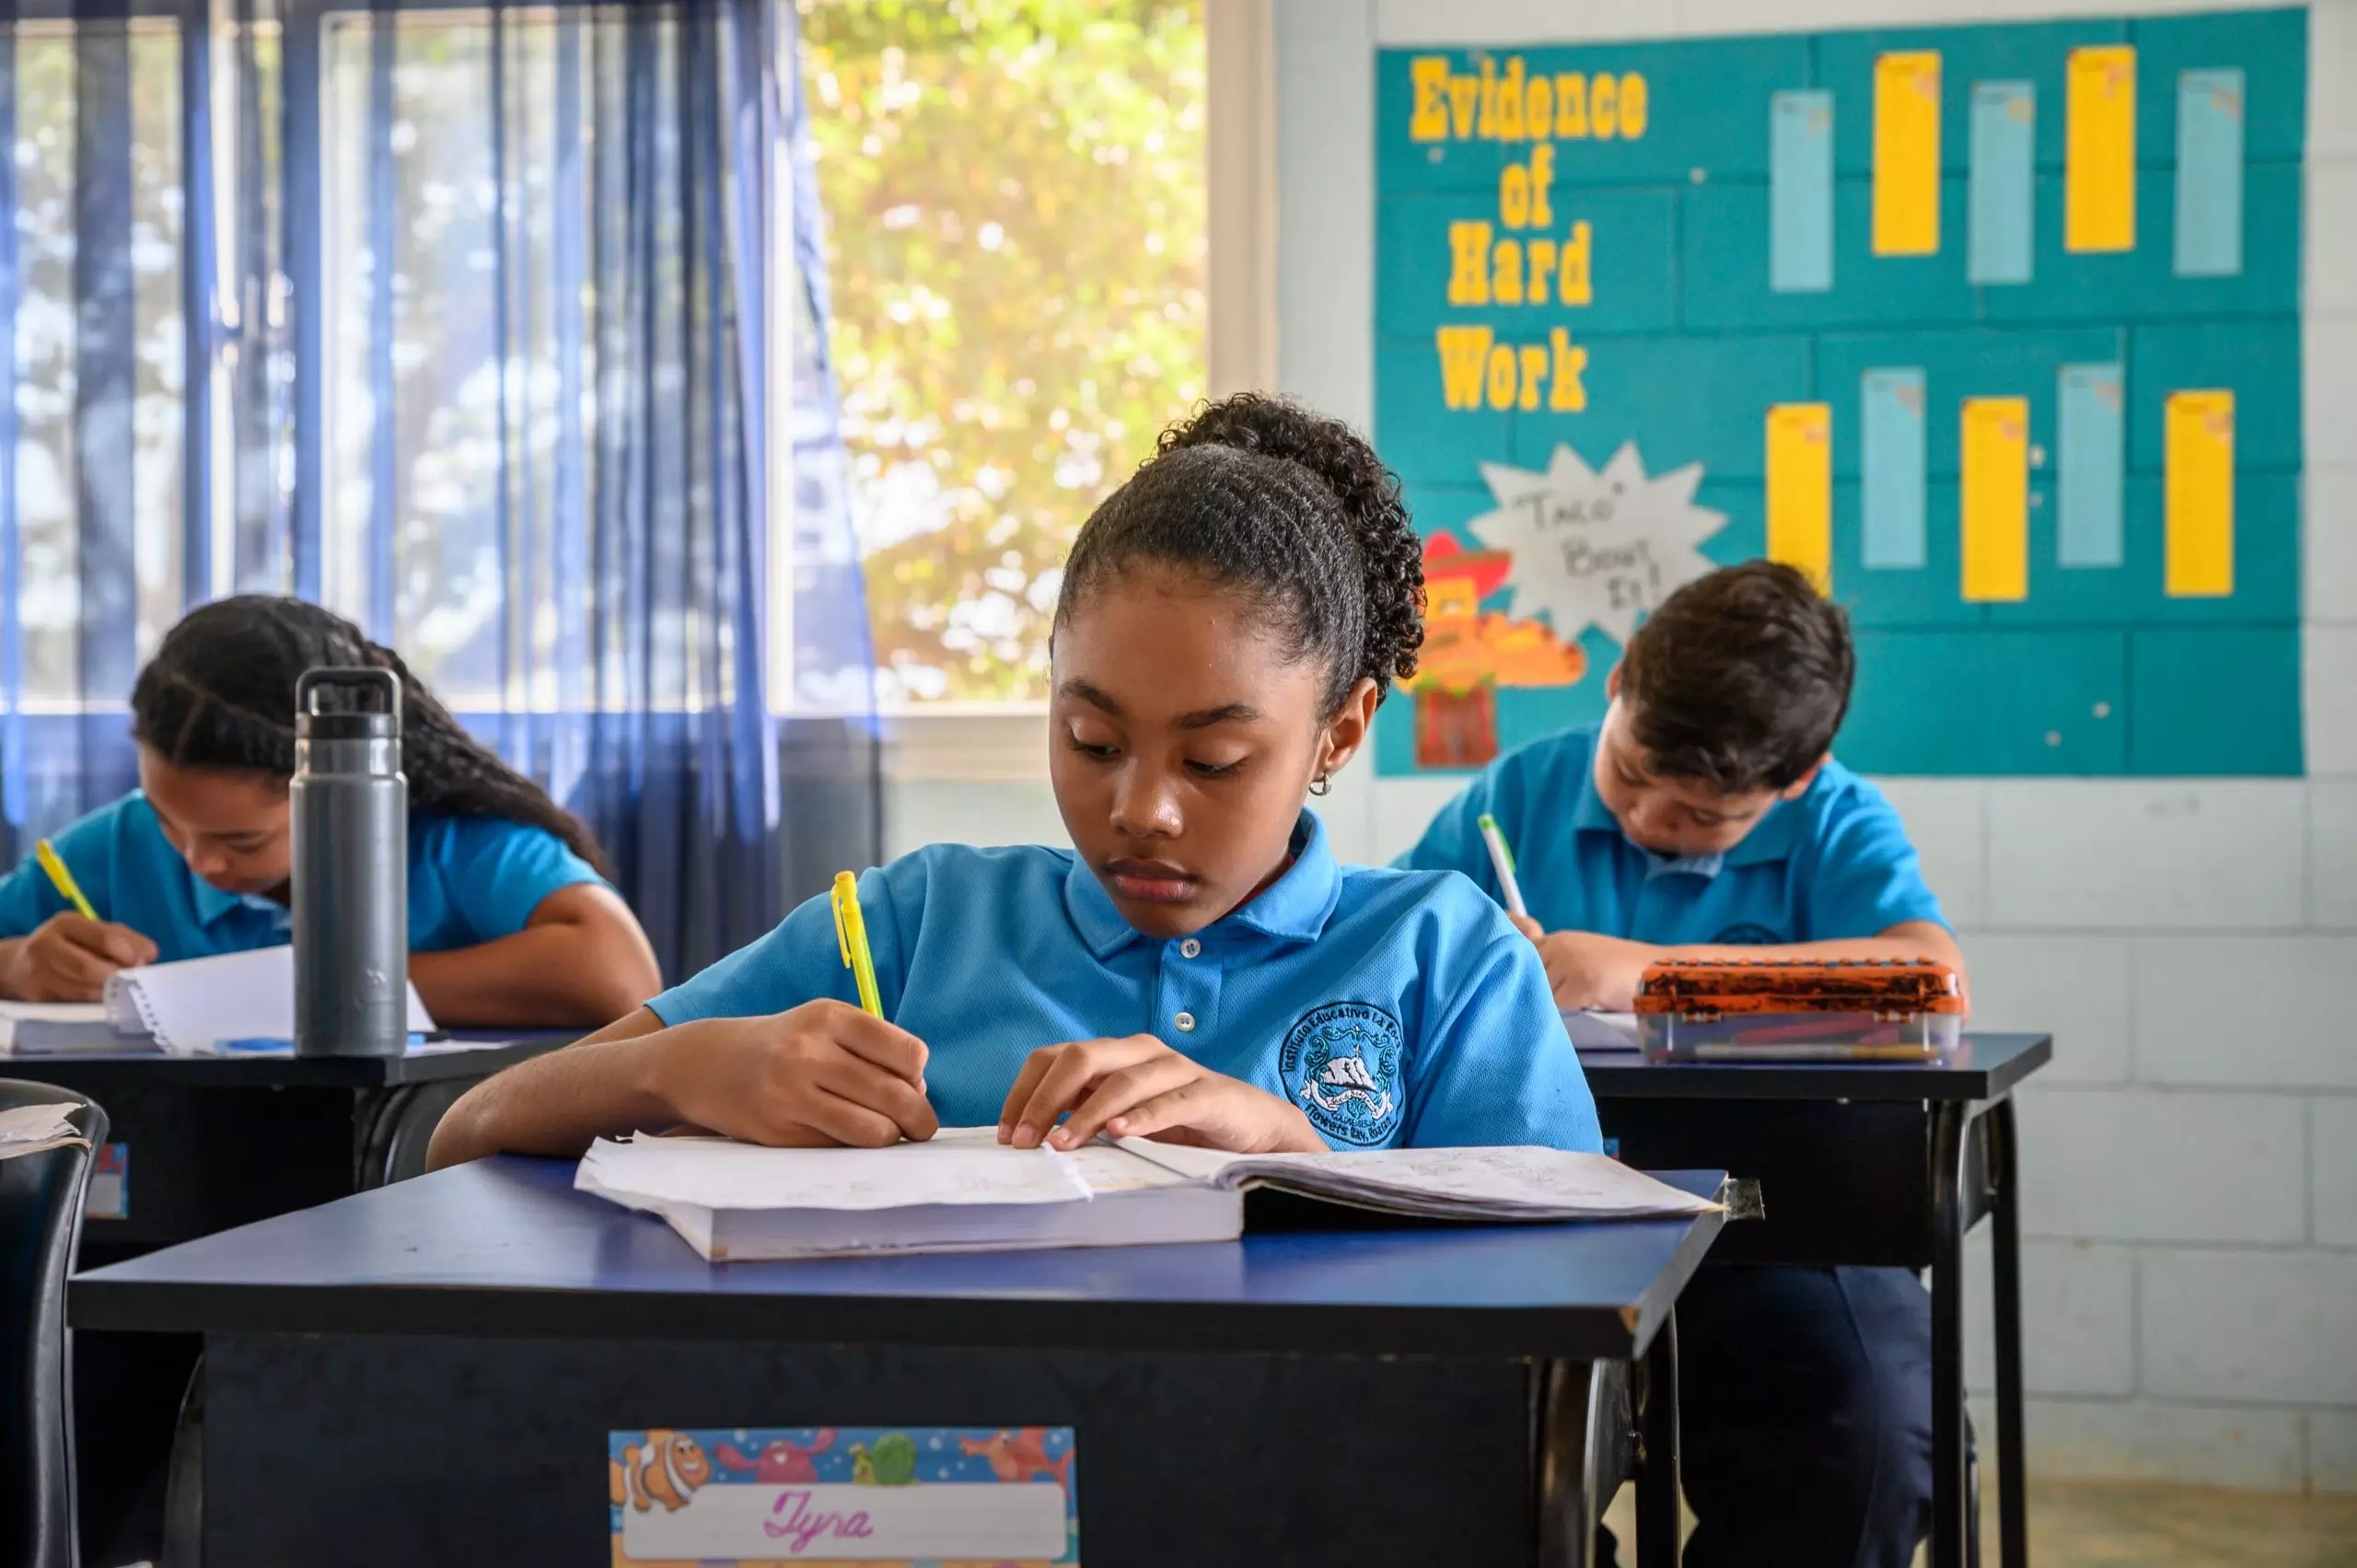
{"type": "Point", "coordinates": [349, 803]}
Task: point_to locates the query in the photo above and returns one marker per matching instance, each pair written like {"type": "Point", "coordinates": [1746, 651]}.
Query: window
{"type": "Point", "coordinates": [1015, 202]}
{"type": "Point", "coordinates": [98, 308]}
{"type": "Point", "coordinates": [422, 486]}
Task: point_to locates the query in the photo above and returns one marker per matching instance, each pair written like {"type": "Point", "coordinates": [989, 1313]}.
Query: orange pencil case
{"type": "Point", "coordinates": [1784, 1010]}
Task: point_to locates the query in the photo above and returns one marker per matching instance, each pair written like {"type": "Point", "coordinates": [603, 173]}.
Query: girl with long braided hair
{"type": "Point", "coordinates": [511, 922]}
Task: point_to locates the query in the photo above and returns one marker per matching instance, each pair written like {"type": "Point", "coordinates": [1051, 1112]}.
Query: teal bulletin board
{"type": "Point", "coordinates": [1995, 330]}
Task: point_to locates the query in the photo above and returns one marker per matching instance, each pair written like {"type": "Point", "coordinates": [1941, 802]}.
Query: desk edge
{"type": "Point", "coordinates": [461, 1311]}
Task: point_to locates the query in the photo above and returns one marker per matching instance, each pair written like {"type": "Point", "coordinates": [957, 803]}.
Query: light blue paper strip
{"type": "Point", "coordinates": [2005, 137]}
{"type": "Point", "coordinates": [2088, 531]}
{"type": "Point", "coordinates": [2210, 174]}
{"type": "Point", "coordinates": [1800, 192]}
{"type": "Point", "coordinates": [1891, 419]}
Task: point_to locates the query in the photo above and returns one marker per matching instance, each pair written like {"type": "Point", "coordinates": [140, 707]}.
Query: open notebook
{"type": "Point", "coordinates": [187, 1008]}
{"type": "Point", "coordinates": [198, 1004]}
{"type": "Point", "coordinates": [963, 1191]}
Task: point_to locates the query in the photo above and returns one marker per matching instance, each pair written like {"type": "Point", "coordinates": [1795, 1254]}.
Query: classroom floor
{"type": "Point", "coordinates": [2075, 1523]}
{"type": "Point", "coordinates": [2152, 1526]}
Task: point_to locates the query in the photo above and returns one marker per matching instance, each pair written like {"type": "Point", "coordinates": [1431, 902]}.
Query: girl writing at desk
{"type": "Point", "coordinates": [510, 923]}
{"type": "Point", "coordinates": [1197, 968]}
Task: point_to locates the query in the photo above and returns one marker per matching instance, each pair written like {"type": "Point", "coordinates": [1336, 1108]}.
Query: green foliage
{"type": "Point", "coordinates": [1015, 192]}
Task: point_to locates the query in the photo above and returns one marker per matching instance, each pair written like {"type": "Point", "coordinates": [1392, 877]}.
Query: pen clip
{"type": "Point", "coordinates": [842, 938]}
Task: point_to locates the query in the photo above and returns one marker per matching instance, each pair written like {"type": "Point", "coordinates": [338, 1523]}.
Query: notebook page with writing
{"type": "Point", "coordinates": [191, 1006]}
{"type": "Point", "coordinates": [1506, 1183]}
{"type": "Point", "coordinates": [721, 1174]}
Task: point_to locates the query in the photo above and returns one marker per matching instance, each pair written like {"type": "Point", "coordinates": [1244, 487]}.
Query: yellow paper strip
{"type": "Point", "coordinates": [2099, 151]}
{"type": "Point", "coordinates": [1996, 499]}
{"type": "Point", "coordinates": [1800, 488]}
{"type": "Point", "coordinates": [2199, 524]}
{"type": "Point", "coordinates": [1907, 154]}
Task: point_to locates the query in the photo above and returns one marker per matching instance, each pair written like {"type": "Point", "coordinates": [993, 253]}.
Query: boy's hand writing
{"type": "Point", "coordinates": [1139, 1088]}
{"type": "Point", "coordinates": [68, 958]}
{"type": "Point", "coordinates": [1585, 971]}
{"type": "Point", "coordinates": [823, 1074]}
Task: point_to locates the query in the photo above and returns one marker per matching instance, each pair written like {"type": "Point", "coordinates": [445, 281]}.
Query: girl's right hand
{"type": "Point", "coordinates": [68, 958]}
{"type": "Point", "coordinates": [822, 1074]}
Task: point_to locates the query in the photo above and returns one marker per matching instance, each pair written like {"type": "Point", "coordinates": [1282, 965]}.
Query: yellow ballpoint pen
{"type": "Point", "coordinates": [850, 933]}
{"type": "Point", "coordinates": [62, 880]}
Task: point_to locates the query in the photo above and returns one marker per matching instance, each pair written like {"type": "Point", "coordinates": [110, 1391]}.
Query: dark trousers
{"type": "Point", "coordinates": [1804, 1410]}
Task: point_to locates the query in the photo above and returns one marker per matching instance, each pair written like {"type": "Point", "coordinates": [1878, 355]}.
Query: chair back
{"type": "Point", "coordinates": [40, 1230]}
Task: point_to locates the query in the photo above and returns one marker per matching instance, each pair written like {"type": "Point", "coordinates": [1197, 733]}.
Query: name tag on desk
{"type": "Point", "coordinates": [992, 1497]}
{"type": "Point", "coordinates": [108, 1197]}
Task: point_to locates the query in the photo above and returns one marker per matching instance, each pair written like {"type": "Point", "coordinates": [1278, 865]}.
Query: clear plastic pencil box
{"type": "Point", "coordinates": [1775, 1010]}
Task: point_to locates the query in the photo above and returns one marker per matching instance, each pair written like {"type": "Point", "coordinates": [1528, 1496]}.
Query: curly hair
{"type": "Point", "coordinates": [1257, 492]}
{"type": "Point", "coordinates": [220, 694]}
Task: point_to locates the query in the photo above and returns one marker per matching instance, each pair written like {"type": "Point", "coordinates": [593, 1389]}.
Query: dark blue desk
{"type": "Point", "coordinates": [221, 1141]}
{"type": "Point", "coordinates": [445, 1358]}
{"type": "Point", "coordinates": [217, 1141]}
{"type": "Point", "coordinates": [1865, 1163]}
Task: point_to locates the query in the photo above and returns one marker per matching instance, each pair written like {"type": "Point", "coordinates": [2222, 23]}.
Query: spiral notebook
{"type": "Point", "coordinates": [200, 1005]}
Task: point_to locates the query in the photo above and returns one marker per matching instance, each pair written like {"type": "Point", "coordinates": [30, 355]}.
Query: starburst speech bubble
{"type": "Point", "coordinates": [1595, 549]}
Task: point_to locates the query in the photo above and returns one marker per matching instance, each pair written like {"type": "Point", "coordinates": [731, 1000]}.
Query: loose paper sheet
{"type": "Point", "coordinates": [29, 1129]}
{"type": "Point", "coordinates": [1602, 1031]}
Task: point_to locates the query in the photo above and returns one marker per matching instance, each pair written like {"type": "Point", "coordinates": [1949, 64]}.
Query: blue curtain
{"type": "Point", "coordinates": [474, 344]}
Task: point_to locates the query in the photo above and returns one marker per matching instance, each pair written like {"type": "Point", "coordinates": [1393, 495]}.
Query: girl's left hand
{"type": "Point", "coordinates": [1139, 1088]}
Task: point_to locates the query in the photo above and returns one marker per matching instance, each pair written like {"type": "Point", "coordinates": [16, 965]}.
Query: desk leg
{"type": "Point", "coordinates": [392, 1127]}
{"type": "Point", "coordinates": [1581, 1442]}
{"type": "Point", "coordinates": [2003, 1164]}
{"type": "Point", "coordinates": [372, 1111]}
{"type": "Point", "coordinates": [1951, 1493]}
{"type": "Point", "coordinates": [1657, 1522]}
{"type": "Point", "coordinates": [183, 1545]}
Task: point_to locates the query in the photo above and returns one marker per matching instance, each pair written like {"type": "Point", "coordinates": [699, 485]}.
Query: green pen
{"type": "Point", "coordinates": [1501, 862]}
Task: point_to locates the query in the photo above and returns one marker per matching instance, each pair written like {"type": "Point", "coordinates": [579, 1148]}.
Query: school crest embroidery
{"type": "Point", "coordinates": [1340, 1064]}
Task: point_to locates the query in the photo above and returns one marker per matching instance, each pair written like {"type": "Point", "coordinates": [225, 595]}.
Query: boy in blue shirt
{"type": "Point", "coordinates": [1197, 968]}
{"type": "Point", "coordinates": [1705, 817]}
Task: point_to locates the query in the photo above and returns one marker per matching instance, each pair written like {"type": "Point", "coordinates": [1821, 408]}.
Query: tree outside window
{"type": "Point", "coordinates": [1014, 195]}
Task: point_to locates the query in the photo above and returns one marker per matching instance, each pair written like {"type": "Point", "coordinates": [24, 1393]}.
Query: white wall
{"type": "Point", "coordinates": [2191, 1157]}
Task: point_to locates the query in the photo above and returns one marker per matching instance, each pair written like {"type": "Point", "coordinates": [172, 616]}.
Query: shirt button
{"type": "Point", "coordinates": [1186, 1022]}
{"type": "Point", "coordinates": [1190, 947]}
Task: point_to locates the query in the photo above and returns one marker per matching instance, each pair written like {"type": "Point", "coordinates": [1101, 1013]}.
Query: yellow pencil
{"type": "Point", "coordinates": [63, 879]}
{"type": "Point", "coordinates": [850, 933]}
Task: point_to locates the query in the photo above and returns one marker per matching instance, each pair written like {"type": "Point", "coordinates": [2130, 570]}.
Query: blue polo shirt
{"type": "Point", "coordinates": [1832, 865]}
{"type": "Point", "coordinates": [471, 879]}
{"type": "Point", "coordinates": [1394, 1008]}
